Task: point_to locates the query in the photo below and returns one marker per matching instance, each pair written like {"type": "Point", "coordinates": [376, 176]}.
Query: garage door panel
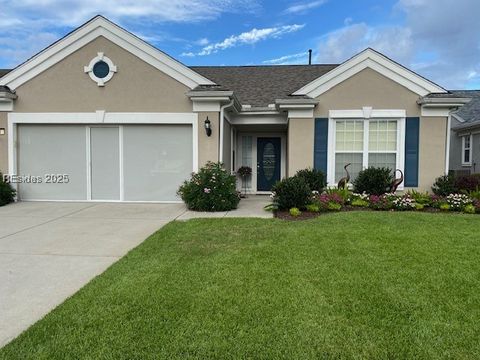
{"type": "Point", "coordinates": [157, 159]}
{"type": "Point", "coordinates": [52, 149]}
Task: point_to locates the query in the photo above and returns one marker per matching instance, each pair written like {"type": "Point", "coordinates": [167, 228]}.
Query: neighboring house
{"type": "Point", "coordinates": [126, 122]}
{"type": "Point", "coordinates": [465, 135]}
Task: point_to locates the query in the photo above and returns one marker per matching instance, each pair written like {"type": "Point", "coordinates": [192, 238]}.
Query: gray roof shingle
{"type": "Point", "coordinates": [470, 112]}
{"type": "Point", "coordinates": [260, 86]}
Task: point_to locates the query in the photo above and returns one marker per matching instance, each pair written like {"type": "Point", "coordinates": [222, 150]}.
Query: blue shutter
{"type": "Point", "coordinates": [320, 147]}
{"type": "Point", "coordinates": [412, 128]}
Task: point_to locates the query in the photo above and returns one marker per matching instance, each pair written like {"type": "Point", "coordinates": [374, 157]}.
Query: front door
{"type": "Point", "coordinates": [268, 162]}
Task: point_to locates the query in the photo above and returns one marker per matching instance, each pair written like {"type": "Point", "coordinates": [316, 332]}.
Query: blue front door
{"type": "Point", "coordinates": [268, 162]}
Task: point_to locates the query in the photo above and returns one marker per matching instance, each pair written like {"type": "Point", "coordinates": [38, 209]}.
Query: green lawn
{"type": "Point", "coordinates": [345, 285]}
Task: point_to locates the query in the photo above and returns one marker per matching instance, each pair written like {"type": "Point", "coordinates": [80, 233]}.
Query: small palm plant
{"type": "Point", "coordinates": [244, 172]}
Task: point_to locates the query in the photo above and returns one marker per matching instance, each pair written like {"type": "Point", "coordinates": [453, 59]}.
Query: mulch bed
{"type": "Point", "coordinates": [306, 215]}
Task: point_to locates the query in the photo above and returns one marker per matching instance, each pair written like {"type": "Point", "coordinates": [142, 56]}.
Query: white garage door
{"type": "Point", "coordinates": [110, 163]}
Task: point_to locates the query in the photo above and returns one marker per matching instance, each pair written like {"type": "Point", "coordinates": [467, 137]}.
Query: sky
{"type": "Point", "coordinates": [439, 39]}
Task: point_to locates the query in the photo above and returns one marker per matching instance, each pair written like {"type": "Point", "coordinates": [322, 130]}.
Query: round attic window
{"type": "Point", "coordinates": [100, 69]}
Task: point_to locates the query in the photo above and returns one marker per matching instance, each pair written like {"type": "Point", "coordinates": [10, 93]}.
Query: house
{"type": "Point", "coordinates": [101, 115]}
{"type": "Point", "coordinates": [465, 135]}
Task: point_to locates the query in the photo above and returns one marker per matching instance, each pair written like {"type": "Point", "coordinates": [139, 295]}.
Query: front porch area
{"type": "Point", "coordinates": [263, 149]}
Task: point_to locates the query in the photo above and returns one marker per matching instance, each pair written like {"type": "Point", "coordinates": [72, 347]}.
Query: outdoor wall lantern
{"type": "Point", "coordinates": [208, 128]}
{"type": "Point", "coordinates": [2, 131]}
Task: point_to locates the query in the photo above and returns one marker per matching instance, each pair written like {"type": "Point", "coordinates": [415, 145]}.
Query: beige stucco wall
{"type": "Point", "coordinates": [300, 144]}
{"type": "Point", "coordinates": [136, 87]}
{"type": "Point", "coordinates": [3, 144]}
{"type": "Point", "coordinates": [208, 145]}
{"type": "Point", "coordinates": [367, 88]}
{"type": "Point", "coordinates": [433, 132]}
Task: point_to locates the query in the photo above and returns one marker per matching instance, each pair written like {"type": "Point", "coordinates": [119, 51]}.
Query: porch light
{"type": "Point", "coordinates": [2, 131]}
{"type": "Point", "coordinates": [208, 129]}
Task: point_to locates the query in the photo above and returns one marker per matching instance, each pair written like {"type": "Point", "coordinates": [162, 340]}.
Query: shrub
{"type": "Point", "coordinates": [313, 208]}
{"type": "Point", "coordinates": [314, 178]}
{"type": "Point", "coordinates": [295, 212]}
{"type": "Point", "coordinates": [444, 206]}
{"type": "Point", "coordinates": [469, 209]}
{"type": "Point", "coordinates": [475, 194]}
{"type": "Point", "coordinates": [419, 206]}
{"type": "Point", "coordinates": [373, 181]}
{"type": "Point", "coordinates": [458, 201]}
{"type": "Point", "coordinates": [444, 185]}
{"type": "Point", "coordinates": [7, 193]}
{"type": "Point", "coordinates": [467, 182]}
{"type": "Point", "coordinates": [360, 203]}
{"type": "Point", "coordinates": [333, 206]}
{"type": "Point", "coordinates": [211, 189]}
{"type": "Point", "coordinates": [420, 198]}
{"type": "Point", "coordinates": [291, 192]}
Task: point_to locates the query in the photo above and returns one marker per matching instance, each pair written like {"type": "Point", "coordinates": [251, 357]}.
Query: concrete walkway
{"type": "Point", "coordinates": [48, 251]}
{"type": "Point", "coordinates": [249, 207]}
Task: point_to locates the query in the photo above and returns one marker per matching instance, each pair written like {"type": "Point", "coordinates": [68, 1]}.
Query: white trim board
{"type": "Point", "coordinates": [99, 26]}
{"type": "Point", "coordinates": [372, 59]}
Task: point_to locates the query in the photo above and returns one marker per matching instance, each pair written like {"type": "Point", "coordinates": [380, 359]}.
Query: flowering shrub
{"type": "Point", "coordinates": [329, 201]}
{"type": "Point", "coordinates": [404, 203]}
{"type": "Point", "coordinates": [211, 189]}
{"type": "Point", "coordinates": [458, 202]}
{"type": "Point", "coordinates": [380, 202]}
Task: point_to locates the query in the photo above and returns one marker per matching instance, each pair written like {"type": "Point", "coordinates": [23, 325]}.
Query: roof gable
{"type": "Point", "coordinates": [372, 59]}
{"type": "Point", "coordinates": [99, 26]}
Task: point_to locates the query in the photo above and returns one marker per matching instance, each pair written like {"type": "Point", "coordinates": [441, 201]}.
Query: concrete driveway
{"type": "Point", "coordinates": [48, 251]}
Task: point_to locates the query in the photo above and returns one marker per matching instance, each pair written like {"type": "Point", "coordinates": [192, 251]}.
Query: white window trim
{"type": "Point", "coordinates": [99, 117]}
{"type": "Point", "coordinates": [466, 163]}
{"type": "Point", "coordinates": [367, 113]}
{"type": "Point", "coordinates": [112, 69]}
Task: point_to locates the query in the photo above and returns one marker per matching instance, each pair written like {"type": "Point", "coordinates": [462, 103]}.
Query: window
{"type": "Point", "coordinates": [365, 143]}
{"type": "Point", "coordinates": [247, 156]}
{"type": "Point", "coordinates": [467, 150]}
{"type": "Point", "coordinates": [101, 69]}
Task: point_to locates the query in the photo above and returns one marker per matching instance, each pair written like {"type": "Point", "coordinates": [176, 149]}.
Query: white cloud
{"type": "Point", "coordinates": [74, 12]}
{"type": "Point", "coordinates": [249, 37]}
{"type": "Point", "coordinates": [299, 58]}
{"type": "Point", "coordinates": [339, 45]}
{"type": "Point", "coordinates": [302, 8]}
{"type": "Point", "coordinates": [23, 21]}
{"type": "Point", "coordinates": [440, 42]}
{"type": "Point", "coordinates": [202, 42]}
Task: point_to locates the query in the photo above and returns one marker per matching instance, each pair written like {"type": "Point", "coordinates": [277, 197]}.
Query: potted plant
{"type": "Point", "coordinates": [244, 172]}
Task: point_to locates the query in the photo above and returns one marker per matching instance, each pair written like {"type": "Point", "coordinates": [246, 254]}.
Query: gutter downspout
{"type": "Point", "coordinates": [447, 147]}
{"type": "Point", "coordinates": [220, 146]}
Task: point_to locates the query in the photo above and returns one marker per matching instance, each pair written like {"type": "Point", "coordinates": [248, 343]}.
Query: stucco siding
{"type": "Point", "coordinates": [136, 87]}
{"type": "Point", "coordinates": [300, 144]}
{"type": "Point", "coordinates": [367, 88]}
{"type": "Point", "coordinates": [4, 144]}
{"type": "Point", "coordinates": [433, 132]}
{"type": "Point", "coordinates": [208, 145]}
